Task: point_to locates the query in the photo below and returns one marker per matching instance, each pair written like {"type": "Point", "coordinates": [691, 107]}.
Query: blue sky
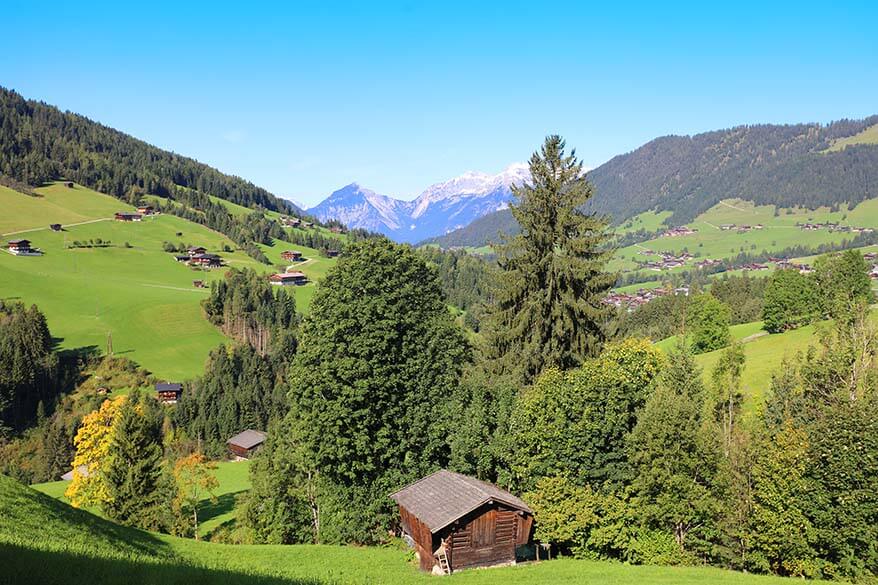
{"type": "Point", "coordinates": [302, 98]}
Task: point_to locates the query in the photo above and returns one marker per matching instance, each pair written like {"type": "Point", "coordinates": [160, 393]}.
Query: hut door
{"type": "Point", "coordinates": [484, 528]}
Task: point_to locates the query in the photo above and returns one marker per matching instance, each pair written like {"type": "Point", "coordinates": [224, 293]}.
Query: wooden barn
{"type": "Point", "coordinates": [456, 522]}
{"type": "Point", "coordinates": [245, 444]}
{"type": "Point", "coordinates": [169, 392]}
{"type": "Point", "coordinates": [291, 255]}
{"type": "Point", "coordinates": [127, 216]}
{"type": "Point", "coordinates": [18, 246]}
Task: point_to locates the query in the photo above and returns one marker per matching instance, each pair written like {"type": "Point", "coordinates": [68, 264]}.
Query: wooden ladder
{"type": "Point", "coordinates": [443, 561]}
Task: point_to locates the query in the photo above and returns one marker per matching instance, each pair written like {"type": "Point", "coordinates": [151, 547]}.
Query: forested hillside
{"type": "Point", "coordinates": [39, 143]}
{"type": "Point", "coordinates": [783, 165]}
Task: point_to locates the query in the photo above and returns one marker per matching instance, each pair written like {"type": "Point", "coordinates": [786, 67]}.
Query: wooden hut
{"type": "Point", "coordinates": [455, 522]}
{"type": "Point", "coordinates": [127, 216]}
{"type": "Point", "coordinates": [245, 444]}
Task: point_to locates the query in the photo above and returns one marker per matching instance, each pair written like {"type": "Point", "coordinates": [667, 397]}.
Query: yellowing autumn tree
{"type": "Point", "coordinates": [92, 443]}
{"type": "Point", "coordinates": [195, 479]}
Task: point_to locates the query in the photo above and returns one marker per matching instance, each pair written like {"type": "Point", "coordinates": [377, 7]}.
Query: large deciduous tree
{"type": "Point", "coordinates": [92, 442]}
{"type": "Point", "coordinates": [379, 358]}
{"type": "Point", "coordinates": [708, 325]}
{"type": "Point", "coordinates": [791, 300]}
{"type": "Point", "coordinates": [843, 283]}
{"type": "Point", "coordinates": [674, 455]}
{"type": "Point", "coordinates": [548, 310]}
{"type": "Point", "coordinates": [575, 423]}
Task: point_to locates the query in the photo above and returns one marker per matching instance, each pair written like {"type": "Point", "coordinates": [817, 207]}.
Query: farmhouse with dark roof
{"type": "Point", "coordinates": [169, 392]}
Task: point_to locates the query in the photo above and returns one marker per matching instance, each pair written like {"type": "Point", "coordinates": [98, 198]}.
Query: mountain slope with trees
{"type": "Point", "coordinates": [39, 143]}
{"type": "Point", "coordinates": [783, 165]}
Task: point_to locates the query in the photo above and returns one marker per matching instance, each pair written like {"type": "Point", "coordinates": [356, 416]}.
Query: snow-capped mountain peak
{"type": "Point", "coordinates": [357, 206]}
{"type": "Point", "coordinates": [471, 183]}
{"type": "Point", "coordinates": [442, 207]}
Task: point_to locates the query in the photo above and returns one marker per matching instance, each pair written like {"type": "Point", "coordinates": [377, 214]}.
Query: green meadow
{"type": "Point", "coordinates": [867, 136]}
{"type": "Point", "coordinates": [779, 231]}
{"type": "Point", "coordinates": [44, 541]}
{"type": "Point", "coordinates": [764, 352]}
{"type": "Point", "coordinates": [131, 290]}
{"type": "Point", "coordinates": [57, 204]}
{"type": "Point", "coordinates": [233, 478]}
{"type": "Point", "coordinates": [650, 222]}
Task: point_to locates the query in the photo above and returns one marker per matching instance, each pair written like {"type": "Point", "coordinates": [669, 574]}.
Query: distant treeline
{"type": "Point", "coordinates": [465, 280]}
{"type": "Point", "coordinates": [240, 390]}
{"type": "Point", "coordinates": [242, 387]}
{"type": "Point", "coordinates": [798, 251]}
{"type": "Point", "coordinates": [29, 369]}
{"type": "Point", "coordinates": [39, 143]}
{"type": "Point", "coordinates": [249, 309]}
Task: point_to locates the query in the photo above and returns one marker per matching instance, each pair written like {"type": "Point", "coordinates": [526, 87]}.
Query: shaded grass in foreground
{"type": "Point", "coordinates": [25, 566]}
{"type": "Point", "coordinates": [45, 541]}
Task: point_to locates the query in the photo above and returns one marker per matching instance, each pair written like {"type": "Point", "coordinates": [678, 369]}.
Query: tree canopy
{"type": "Point", "coordinates": [379, 354]}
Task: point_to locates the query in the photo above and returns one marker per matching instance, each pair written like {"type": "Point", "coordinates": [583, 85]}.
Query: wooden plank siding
{"type": "Point", "coordinates": [487, 536]}
{"type": "Point", "coordinates": [421, 535]}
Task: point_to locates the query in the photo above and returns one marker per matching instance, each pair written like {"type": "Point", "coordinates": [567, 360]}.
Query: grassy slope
{"type": "Point", "coordinates": [780, 231]}
{"type": "Point", "coordinates": [45, 541]}
{"type": "Point", "coordinates": [139, 294]}
{"type": "Point", "coordinates": [58, 204]}
{"type": "Point", "coordinates": [867, 136]}
{"type": "Point", "coordinates": [649, 221]}
{"type": "Point", "coordinates": [764, 355]}
{"type": "Point", "coordinates": [233, 478]}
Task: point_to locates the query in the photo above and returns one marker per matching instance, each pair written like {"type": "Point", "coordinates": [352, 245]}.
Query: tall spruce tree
{"type": "Point", "coordinates": [548, 310]}
{"type": "Point", "coordinates": [135, 474]}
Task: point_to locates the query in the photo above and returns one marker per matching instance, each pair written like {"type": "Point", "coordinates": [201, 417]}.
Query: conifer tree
{"type": "Point", "coordinates": [548, 310]}
{"type": "Point", "coordinates": [135, 474]}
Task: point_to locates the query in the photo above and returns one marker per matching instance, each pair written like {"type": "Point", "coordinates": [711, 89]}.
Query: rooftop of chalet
{"type": "Point", "coordinates": [247, 439]}
{"type": "Point", "coordinates": [442, 497]}
{"type": "Point", "coordinates": [168, 387]}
